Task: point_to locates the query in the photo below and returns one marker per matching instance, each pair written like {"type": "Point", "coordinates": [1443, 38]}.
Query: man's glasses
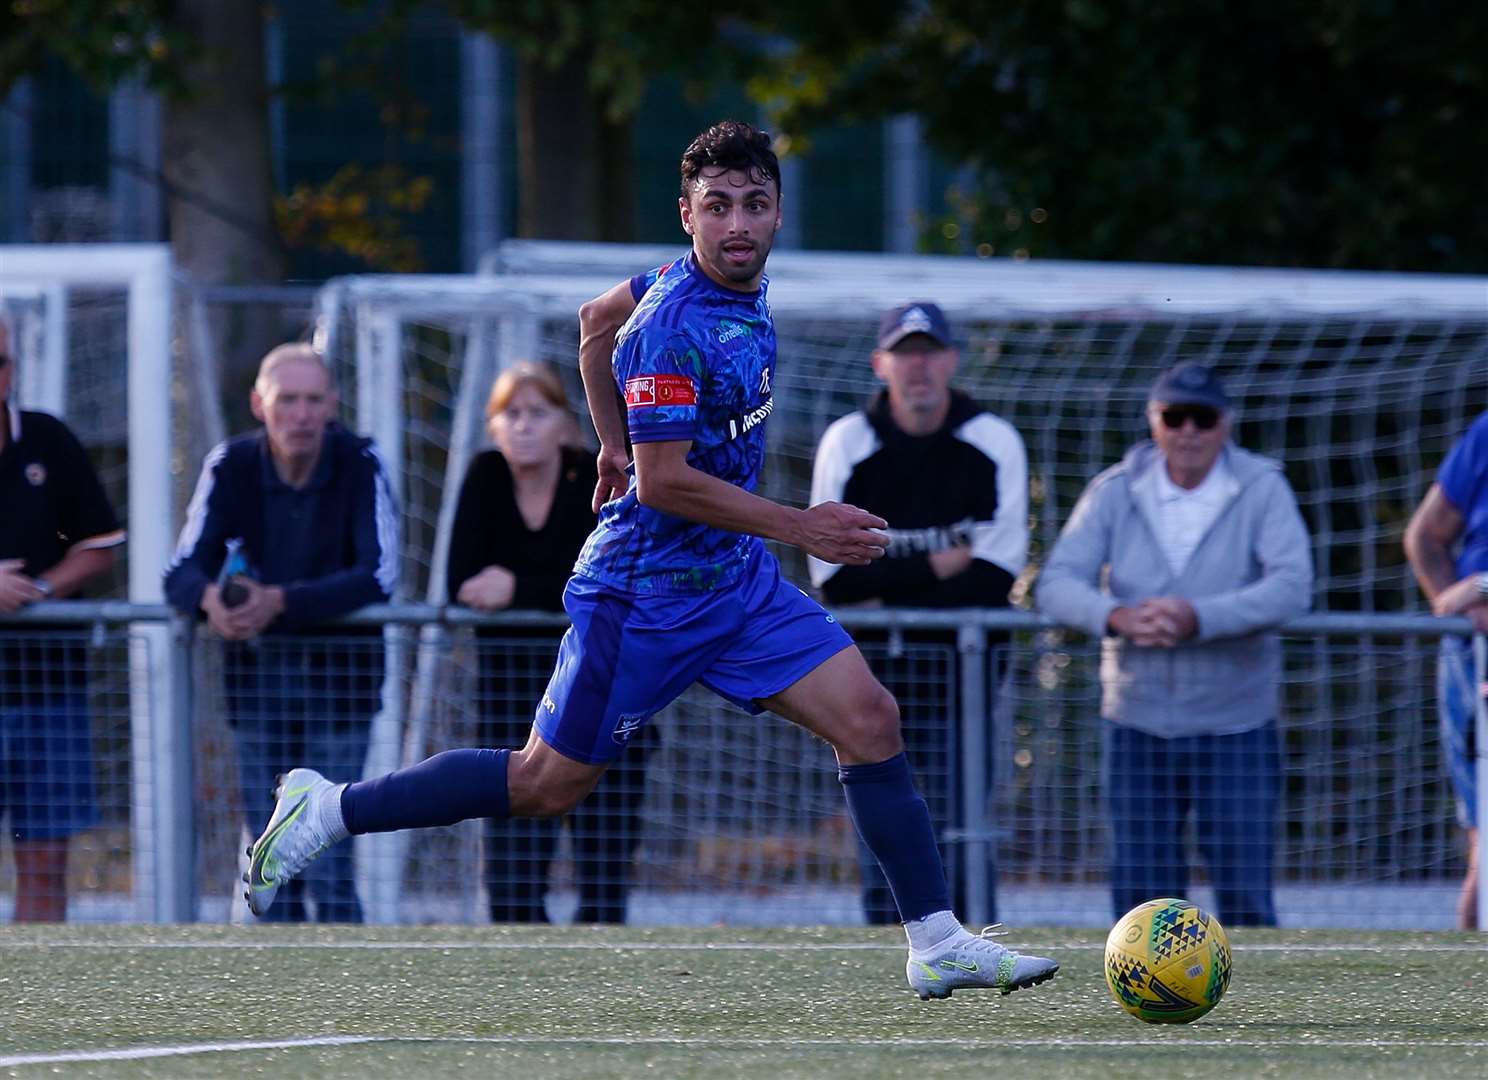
{"type": "Point", "coordinates": [1203, 416]}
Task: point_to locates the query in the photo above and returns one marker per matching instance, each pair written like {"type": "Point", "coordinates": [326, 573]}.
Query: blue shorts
{"type": "Point", "coordinates": [628, 656]}
{"type": "Point", "coordinates": [46, 769]}
{"type": "Point", "coordinates": [1456, 706]}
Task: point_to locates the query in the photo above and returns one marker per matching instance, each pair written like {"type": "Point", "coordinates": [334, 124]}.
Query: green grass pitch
{"type": "Point", "coordinates": [557, 1003]}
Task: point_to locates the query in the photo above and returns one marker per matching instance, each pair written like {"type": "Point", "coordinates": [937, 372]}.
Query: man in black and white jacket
{"type": "Point", "coordinates": [308, 506]}
{"type": "Point", "coordinates": [951, 479]}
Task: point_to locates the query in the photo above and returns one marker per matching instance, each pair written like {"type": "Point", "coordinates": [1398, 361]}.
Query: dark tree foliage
{"type": "Point", "coordinates": [1347, 133]}
{"type": "Point", "coordinates": [104, 41]}
{"type": "Point", "coordinates": [1340, 133]}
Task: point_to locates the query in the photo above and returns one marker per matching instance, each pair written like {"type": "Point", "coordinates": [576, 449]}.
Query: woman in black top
{"type": "Point", "coordinates": [524, 513]}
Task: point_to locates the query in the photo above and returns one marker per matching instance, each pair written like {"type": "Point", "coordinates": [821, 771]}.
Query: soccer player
{"type": "Point", "coordinates": [674, 586]}
{"type": "Point", "coordinates": [1453, 517]}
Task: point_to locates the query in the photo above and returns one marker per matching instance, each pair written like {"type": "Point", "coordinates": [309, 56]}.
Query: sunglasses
{"type": "Point", "coordinates": [1203, 416]}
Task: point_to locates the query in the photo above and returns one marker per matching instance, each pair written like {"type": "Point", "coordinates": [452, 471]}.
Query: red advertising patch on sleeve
{"type": "Point", "coordinates": [647, 390]}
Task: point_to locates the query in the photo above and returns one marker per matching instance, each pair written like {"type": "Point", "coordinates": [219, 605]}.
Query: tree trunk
{"type": "Point", "coordinates": [574, 171]}
{"type": "Point", "coordinates": [216, 160]}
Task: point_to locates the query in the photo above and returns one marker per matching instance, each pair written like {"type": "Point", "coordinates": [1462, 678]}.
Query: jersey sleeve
{"type": "Point", "coordinates": [659, 371]}
{"type": "Point", "coordinates": [641, 282]}
{"type": "Point", "coordinates": [1464, 474]}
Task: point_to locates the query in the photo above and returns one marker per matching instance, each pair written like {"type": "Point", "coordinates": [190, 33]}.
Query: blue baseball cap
{"type": "Point", "coordinates": [921, 317]}
{"type": "Point", "coordinates": [1190, 383]}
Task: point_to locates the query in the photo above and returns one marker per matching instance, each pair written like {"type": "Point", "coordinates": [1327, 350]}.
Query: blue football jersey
{"type": "Point", "coordinates": [695, 362]}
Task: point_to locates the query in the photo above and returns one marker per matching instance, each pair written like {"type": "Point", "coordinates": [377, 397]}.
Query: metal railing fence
{"type": "Point", "coordinates": [719, 817]}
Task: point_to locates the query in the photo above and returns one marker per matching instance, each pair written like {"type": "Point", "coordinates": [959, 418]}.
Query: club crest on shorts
{"type": "Point", "coordinates": [36, 474]}
{"type": "Point", "coordinates": [626, 725]}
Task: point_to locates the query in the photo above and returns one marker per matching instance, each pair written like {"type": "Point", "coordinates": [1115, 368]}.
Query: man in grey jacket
{"type": "Point", "coordinates": [1203, 553]}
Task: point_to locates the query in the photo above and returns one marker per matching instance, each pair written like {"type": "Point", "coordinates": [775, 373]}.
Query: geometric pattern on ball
{"type": "Point", "coordinates": [1167, 961]}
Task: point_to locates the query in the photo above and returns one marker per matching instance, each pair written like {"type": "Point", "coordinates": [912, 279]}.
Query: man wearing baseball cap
{"type": "Point", "coordinates": [1207, 554]}
{"type": "Point", "coordinates": [951, 479]}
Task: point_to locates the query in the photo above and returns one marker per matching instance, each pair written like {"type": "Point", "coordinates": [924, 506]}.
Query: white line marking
{"type": "Point", "coordinates": [136, 1053]}
{"type": "Point", "coordinates": [673, 946]}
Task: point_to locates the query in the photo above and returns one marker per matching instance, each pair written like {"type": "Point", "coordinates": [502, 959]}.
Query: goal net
{"type": "Point", "coordinates": [1357, 383]}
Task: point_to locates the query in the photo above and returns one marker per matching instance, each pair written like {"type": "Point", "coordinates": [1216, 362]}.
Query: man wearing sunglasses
{"type": "Point", "coordinates": [1202, 552]}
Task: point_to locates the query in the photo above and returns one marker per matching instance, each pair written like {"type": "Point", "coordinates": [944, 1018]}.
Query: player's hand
{"type": "Point", "coordinates": [614, 481]}
{"type": "Point", "coordinates": [490, 590]}
{"type": "Point", "coordinates": [949, 562]}
{"type": "Point", "coordinates": [1458, 597]}
{"type": "Point", "coordinates": [839, 533]}
{"type": "Point", "coordinates": [16, 589]}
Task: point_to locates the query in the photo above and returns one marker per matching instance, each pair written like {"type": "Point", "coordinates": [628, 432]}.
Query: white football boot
{"type": "Point", "coordinates": [297, 832]}
{"type": "Point", "coordinates": [966, 960]}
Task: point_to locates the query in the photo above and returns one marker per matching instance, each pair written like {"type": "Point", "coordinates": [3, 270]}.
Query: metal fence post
{"type": "Point", "coordinates": [1480, 698]}
{"type": "Point", "coordinates": [177, 889]}
{"type": "Point", "coordinates": [972, 651]}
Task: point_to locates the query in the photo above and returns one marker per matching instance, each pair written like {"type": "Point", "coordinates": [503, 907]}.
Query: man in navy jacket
{"type": "Point", "coordinates": [307, 507]}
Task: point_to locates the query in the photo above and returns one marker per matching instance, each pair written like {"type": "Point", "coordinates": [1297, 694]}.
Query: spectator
{"type": "Point", "coordinates": [952, 544]}
{"type": "Point", "coordinates": [57, 532]}
{"type": "Point", "coordinates": [1454, 514]}
{"type": "Point", "coordinates": [1203, 553]}
{"type": "Point", "coordinates": [524, 514]}
{"type": "Point", "coordinates": [311, 506]}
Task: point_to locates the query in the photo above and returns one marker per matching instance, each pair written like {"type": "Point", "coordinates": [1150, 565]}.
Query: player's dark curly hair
{"type": "Point", "coordinates": [731, 144]}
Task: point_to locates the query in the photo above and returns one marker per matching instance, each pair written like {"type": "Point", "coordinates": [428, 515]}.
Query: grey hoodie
{"type": "Point", "coordinates": [1251, 571]}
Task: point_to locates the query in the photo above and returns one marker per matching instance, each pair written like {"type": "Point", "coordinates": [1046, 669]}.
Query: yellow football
{"type": "Point", "coordinates": [1167, 961]}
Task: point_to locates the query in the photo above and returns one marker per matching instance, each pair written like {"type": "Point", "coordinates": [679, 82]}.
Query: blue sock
{"type": "Point", "coordinates": [894, 822]}
{"type": "Point", "coordinates": [440, 790]}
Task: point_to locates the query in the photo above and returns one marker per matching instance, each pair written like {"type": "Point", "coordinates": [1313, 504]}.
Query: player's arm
{"type": "Point", "coordinates": [1433, 530]}
{"type": "Point", "coordinates": [833, 532]}
{"type": "Point", "coordinates": [599, 321]}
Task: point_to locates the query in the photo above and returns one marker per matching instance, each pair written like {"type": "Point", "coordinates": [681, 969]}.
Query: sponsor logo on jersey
{"type": "Point", "coordinates": [650, 390]}
{"type": "Point", "coordinates": [764, 381]}
{"type": "Point", "coordinates": [549, 704]}
{"type": "Point", "coordinates": [727, 331]}
{"type": "Point", "coordinates": [740, 425]}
